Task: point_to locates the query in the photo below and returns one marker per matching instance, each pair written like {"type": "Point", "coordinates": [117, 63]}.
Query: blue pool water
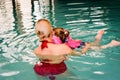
{"type": "Point", "coordinates": [84, 18]}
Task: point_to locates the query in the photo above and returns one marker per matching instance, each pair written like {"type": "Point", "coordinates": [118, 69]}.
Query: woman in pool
{"type": "Point", "coordinates": [63, 36]}
{"type": "Point", "coordinates": [51, 55]}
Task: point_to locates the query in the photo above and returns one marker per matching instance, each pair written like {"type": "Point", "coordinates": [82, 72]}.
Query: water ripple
{"type": "Point", "coordinates": [99, 72]}
{"type": "Point", "coordinates": [11, 73]}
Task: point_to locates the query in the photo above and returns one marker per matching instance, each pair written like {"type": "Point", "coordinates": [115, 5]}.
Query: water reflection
{"type": "Point", "coordinates": [6, 17]}
{"type": "Point", "coordinates": [23, 15]}
{"type": "Point", "coordinates": [16, 31]}
{"type": "Point", "coordinates": [84, 14]}
{"type": "Point", "coordinates": [82, 18]}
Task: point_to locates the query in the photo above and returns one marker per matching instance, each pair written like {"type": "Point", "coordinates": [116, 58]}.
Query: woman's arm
{"type": "Point", "coordinates": [76, 53]}
{"type": "Point", "coordinates": [85, 49]}
{"type": "Point", "coordinates": [66, 50]}
{"type": "Point", "coordinates": [37, 51]}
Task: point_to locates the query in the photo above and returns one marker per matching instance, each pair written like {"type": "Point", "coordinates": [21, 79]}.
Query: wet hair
{"type": "Point", "coordinates": [42, 31]}
{"type": "Point", "coordinates": [61, 33]}
{"type": "Point", "coordinates": [43, 20]}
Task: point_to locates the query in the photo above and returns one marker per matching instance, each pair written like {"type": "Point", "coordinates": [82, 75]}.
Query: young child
{"type": "Point", "coordinates": [63, 36]}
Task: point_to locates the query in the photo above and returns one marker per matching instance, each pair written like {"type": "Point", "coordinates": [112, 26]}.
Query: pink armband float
{"type": "Point", "coordinates": [73, 43]}
{"type": "Point", "coordinates": [69, 41]}
{"type": "Point", "coordinates": [56, 40]}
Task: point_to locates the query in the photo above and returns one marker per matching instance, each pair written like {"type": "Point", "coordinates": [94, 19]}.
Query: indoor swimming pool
{"type": "Point", "coordinates": [83, 18]}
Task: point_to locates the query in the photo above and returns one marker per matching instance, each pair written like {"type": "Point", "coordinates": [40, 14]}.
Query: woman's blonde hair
{"type": "Point", "coordinates": [43, 29]}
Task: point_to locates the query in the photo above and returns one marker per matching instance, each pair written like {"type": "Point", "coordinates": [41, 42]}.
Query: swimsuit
{"type": "Point", "coordinates": [47, 69]}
